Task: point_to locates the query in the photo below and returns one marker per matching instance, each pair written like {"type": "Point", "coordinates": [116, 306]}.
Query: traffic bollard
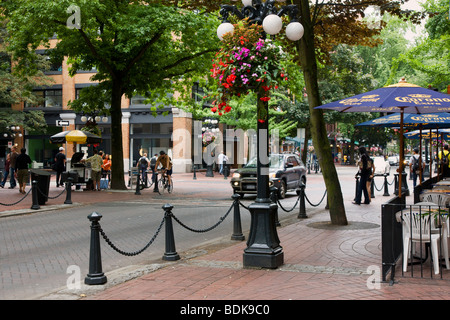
{"type": "Point", "coordinates": [34, 196]}
{"type": "Point", "coordinates": [138, 183]}
{"type": "Point", "coordinates": [357, 185]}
{"type": "Point", "coordinates": [372, 188]}
{"type": "Point", "coordinates": [302, 210]}
{"type": "Point", "coordinates": [237, 227]}
{"type": "Point", "coordinates": [195, 174]}
{"type": "Point", "coordinates": [386, 190]}
{"type": "Point", "coordinates": [95, 275]}
{"type": "Point", "coordinates": [171, 253]}
{"type": "Point", "coordinates": [274, 198]}
{"type": "Point", "coordinates": [68, 191]}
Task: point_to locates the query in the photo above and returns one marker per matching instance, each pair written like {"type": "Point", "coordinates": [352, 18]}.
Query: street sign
{"type": "Point", "coordinates": [62, 123]}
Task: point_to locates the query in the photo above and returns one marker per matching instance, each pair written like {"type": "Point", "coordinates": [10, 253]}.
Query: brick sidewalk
{"type": "Point", "coordinates": [321, 262]}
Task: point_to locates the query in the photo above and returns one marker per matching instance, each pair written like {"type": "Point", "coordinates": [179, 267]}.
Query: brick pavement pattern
{"type": "Point", "coordinates": [321, 262]}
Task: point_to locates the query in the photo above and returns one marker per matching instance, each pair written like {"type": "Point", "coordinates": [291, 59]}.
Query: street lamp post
{"type": "Point", "coordinates": [263, 246]}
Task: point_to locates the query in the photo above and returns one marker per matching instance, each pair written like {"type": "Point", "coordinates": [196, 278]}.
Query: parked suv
{"type": "Point", "coordinates": [286, 172]}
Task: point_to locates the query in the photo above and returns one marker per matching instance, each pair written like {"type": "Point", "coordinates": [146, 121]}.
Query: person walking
{"type": "Point", "coordinates": [416, 165]}
{"type": "Point", "coordinates": [12, 167]}
{"type": "Point", "coordinates": [96, 162]}
{"type": "Point", "coordinates": [22, 165]}
{"type": "Point", "coordinates": [7, 162]}
{"type": "Point", "coordinates": [153, 166]}
{"type": "Point", "coordinates": [364, 173]}
{"type": "Point", "coordinates": [445, 161]}
{"type": "Point", "coordinates": [143, 165]}
{"type": "Point", "coordinates": [60, 166]}
{"type": "Point", "coordinates": [220, 159]}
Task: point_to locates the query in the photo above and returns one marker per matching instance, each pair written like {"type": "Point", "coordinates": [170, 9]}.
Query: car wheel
{"type": "Point", "coordinates": [282, 190]}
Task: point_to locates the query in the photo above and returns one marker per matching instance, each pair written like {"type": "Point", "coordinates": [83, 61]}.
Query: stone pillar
{"type": "Point", "coordinates": [182, 141]}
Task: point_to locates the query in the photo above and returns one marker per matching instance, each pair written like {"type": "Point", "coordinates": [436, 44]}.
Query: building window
{"type": "Point", "coordinates": [48, 98]}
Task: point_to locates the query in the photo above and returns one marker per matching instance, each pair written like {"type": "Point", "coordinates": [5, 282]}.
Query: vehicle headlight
{"type": "Point", "coordinates": [236, 175]}
{"type": "Point", "coordinates": [272, 175]}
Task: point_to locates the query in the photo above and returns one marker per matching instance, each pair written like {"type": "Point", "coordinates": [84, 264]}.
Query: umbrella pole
{"type": "Point", "coordinates": [420, 156]}
{"type": "Point", "coordinates": [400, 168]}
{"type": "Point", "coordinates": [431, 153]}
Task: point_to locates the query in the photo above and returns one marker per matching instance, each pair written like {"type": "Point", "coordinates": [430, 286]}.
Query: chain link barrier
{"type": "Point", "coordinates": [108, 241]}
{"type": "Point", "coordinates": [17, 202]}
{"type": "Point", "coordinates": [315, 205]}
{"type": "Point", "coordinates": [47, 196]}
{"type": "Point", "coordinates": [288, 210]}
{"type": "Point", "coordinates": [221, 219]}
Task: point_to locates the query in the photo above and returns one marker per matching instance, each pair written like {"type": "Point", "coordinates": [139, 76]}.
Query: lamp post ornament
{"type": "Point", "coordinates": [248, 61]}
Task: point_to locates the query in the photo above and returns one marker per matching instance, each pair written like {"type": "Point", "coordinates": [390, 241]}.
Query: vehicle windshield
{"type": "Point", "coordinates": [276, 161]}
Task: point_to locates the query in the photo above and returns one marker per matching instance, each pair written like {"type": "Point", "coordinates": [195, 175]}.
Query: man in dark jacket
{"type": "Point", "coordinates": [60, 166]}
{"type": "Point", "coordinates": [364, 173]}
{"type": "Point", "coordinates": [22, 163]}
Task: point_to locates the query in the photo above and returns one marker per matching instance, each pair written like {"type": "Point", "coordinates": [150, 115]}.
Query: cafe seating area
{"type": "Point", "coordinates": [426, 231]}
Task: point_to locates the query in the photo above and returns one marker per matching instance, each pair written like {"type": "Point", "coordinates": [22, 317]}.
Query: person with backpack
{"type": "Point", "coordinates": [444, 161]}
{"type": "Point", "coordinates": [153, 166]}
{"type": "Point", "coordinates": [143, 165]}
{"type": "Point", "coordinates": [416, 165]}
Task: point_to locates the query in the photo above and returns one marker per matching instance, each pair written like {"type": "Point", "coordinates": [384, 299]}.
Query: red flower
{"type": "Point", "coordinates": [261, 120]}
{"type": "Point", "coordinates": [214, 110]}
{"type": "Point", "coordinates": [227, 109]}
{"type": "Point", "coordinates": [264, 98]}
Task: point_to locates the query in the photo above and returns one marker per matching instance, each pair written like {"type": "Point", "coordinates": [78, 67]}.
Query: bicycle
{"type": "Point", "coordinates": [163, 183]}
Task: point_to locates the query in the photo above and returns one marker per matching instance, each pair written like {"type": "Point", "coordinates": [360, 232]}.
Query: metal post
{"type": "Point", "coordinates": [372, 188]}
{"type": "Point", "coordinates": [274, 199]}
{"type": "Point", "coordinates": [171, 253]}
{"type": "Point", "coordinates": [225, 170]}
{"type": "Point", "coordinates": [34, 196]}
{"type": "Point", "coordinates": [195, 175]}
{"type": "Point", "coordinates": [237, 228]}
{"type": "Point", "coordinates": [357, 185]}
{"type": "Point", "coordinates": [138, 183]}
{"type": "Point", "coordinates": [155, 188]}
{"type": "Point", "coordinates": [68, 191]}
{"type": "Point", "coordinates": [386, 190]}
{"type": "Point", "coordinates": [263, 245]}
{"type": "Point", "coordinates": [95, 275]}
{"type": "Point", "coordinates": [302, 210]}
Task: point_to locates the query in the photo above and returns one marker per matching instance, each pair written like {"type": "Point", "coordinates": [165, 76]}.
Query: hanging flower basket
{"type": "Point", "coordinates": [246, 62]}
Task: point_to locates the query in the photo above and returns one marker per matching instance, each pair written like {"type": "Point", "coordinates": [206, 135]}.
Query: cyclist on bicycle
{"type": "Point", "coordinates": [166, 164]}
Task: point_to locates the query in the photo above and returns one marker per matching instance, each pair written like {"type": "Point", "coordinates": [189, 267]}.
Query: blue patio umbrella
{"type": "Point", "coordinates": [417, 134]}
{"type": "Point", "coordinates": [402, 97]}
{"type": "Point", "coordinates": [411, 120]}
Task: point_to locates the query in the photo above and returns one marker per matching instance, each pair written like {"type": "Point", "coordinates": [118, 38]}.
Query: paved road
{"type": "Point", "coordinates": [37, 249]}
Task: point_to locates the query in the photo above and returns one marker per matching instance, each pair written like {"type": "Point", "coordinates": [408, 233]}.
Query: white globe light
{"type": "Point", "coordinates": [272, 24]}
{"type": "Point", "coordinates": [83, 118]}
{"type": "Point", "coordinates": [247, 3]}
{"type": "Point", "coordinates": [105, 119]}
{"type": "Point", "coordinates": [294, 31]}
{"type": "Point", "coordinates": [13, 128]}
{"type": "Point", "coordinates": [224, 28]}
{"type": "Point", "coordinates": [97, 118]}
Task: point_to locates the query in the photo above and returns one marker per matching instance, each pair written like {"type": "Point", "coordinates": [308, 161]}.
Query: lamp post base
{"type": "Point", "coordinates": [263, 246]}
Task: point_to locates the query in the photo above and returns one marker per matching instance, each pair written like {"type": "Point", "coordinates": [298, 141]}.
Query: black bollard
{"type": "Point", "coordinates": [357, 185]}
{"type": "Point", "coordinates": [95, 275]}
{"type": "Point", "coordinates": [34, 196]}
{"type": "Point", "coordinates": [372, 188]}
{"type": "Point", "coordinates": [155, 188]}
{"type": "Point", "coordinates": [68, 191]}
{"type": "Point", "coordinates": [138, 182]}
{"type": "Point", "coordinates": [195, 175]}
{"type": "Point", "coordinates": [386, 190]}
{"type": "Point", "coordinates": [171, 253]}
{"type": "Point", "coordinates": [225, 170]}
{"type": "Point", "coordinates": [302, 210]}
{"type": "Point", "coordinates": [237, 228]}
{"type": "Point", "coordinates": [274, 198]}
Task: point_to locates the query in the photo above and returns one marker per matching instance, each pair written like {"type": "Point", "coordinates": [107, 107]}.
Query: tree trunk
{"type": "Point", "coordinates": [117, 172]}
{"type": "Point", "coordinates": [306, 52]}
